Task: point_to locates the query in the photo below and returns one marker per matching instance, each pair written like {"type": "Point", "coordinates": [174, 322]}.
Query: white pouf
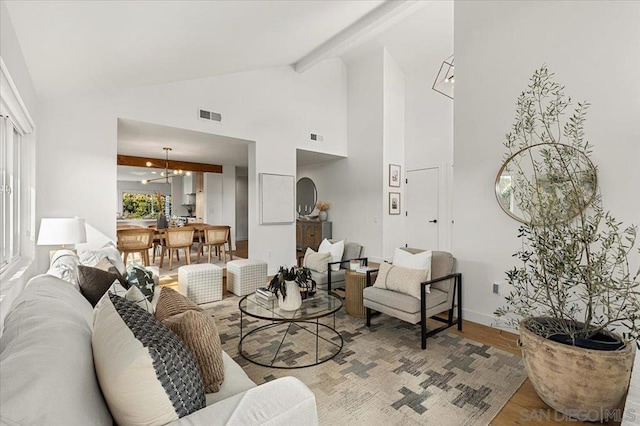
{"type": "Point", "coordinates": [245, 276]}
{"type": "Point", "coordinates": [201, 283]}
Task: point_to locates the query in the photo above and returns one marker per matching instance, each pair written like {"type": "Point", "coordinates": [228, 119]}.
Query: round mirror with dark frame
{"type": "Point", "coordinates": [306, 196]}
{"type": "Point", "coordinates": [555, 177]}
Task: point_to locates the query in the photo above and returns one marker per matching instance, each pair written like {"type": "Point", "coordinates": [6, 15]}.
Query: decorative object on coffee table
{"type": "Point", "coordinates": [573, 284]}
{"type": "Point", "coordinates": [287, 283]}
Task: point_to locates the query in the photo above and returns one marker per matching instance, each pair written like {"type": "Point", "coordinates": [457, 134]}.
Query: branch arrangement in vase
{"type": "Point", "coordinates": [301, 276]}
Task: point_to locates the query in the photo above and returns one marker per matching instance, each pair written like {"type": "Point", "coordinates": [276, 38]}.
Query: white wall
{"type": "Point", "coordinates": [242, 200]}
{"type": "Point", "coordinates": [229, 200]}
{"type": "Point", "coordinates": [429, 114]}
{"type": "Point", "coordinates": [213, 198]}
{"type": "Point", "coordinates": [358, 186]}
{"type": "Point", "coordinates": [593, 49]}
{"type": "Point", "coordinates": [274, 107]}
{"type": "Point", "coordinates": [15, 278]}
{"type": "Point", "coordinates": [354, 185]}
{"type": "Point", "coordinates": [393, 233]}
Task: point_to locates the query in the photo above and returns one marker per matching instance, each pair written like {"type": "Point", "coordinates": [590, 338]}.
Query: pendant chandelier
{"type": "Point", "coordinates": [166, 175]}
{"type": "Point", "coordinates": [445, 78]}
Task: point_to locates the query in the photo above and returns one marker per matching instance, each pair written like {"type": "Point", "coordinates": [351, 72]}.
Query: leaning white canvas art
{"type": "Point", "coordinates": [276, 199]}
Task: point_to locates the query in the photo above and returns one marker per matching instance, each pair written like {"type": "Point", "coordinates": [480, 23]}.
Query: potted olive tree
{"type": "Point", "coordinates": [573, 290]}
{"type": "Point", "coordinates": [291, 286]}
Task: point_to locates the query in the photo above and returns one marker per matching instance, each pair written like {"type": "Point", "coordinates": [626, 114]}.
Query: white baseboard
{"type": "Point", "coordinates": [485, 319]}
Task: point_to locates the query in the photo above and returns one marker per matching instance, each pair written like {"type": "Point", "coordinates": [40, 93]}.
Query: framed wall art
{"type": "Point", "coordinates": [394, 203]}
{"type": "Point", "coordinates": [394, 175]}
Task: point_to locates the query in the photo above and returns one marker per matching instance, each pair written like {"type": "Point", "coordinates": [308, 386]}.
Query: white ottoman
{"type": "Point", "coordinates": [245, 276]}
{"type": "Point", "coordinates": [201, 283]}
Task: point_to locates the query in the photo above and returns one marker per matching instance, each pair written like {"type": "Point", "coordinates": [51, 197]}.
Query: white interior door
{"type": "Point", "coordinates": [422, 222]}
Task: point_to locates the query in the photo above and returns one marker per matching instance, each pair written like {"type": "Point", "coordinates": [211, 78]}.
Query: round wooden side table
{"type": "Point", "coordinates": [355, 283]}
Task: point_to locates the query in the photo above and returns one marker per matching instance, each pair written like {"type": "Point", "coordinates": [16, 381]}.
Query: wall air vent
{"type": "Point", "coordinates": [316, 137]}
{"type": "Point", "coordinates": [203, 114]}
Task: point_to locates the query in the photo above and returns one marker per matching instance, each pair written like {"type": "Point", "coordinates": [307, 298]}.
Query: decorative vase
{"type": "Point", "coordinates": [323, 215]}
{"type": "Point", "coordinates": [161, 222]}
{"type": "Point", "coordinates": [293, 301]}
{"type": "Point", "coordinates": [563, 376]}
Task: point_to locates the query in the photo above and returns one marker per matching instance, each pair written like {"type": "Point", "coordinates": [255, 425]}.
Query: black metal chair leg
{"type": "Point", "coordinates": [459, 303]}
{"type": "Point", "coordinates": [423, 317]}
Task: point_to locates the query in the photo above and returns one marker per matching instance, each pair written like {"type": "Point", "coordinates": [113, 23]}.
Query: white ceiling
{"type": "Point", "coordinates": [147, 140]}
{"type": "Point", "coordinates": [306, 158]}
{"type": "Point", "coordinates": [88, 46]}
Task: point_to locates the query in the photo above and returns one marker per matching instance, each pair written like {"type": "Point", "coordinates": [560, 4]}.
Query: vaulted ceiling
{"type": "Point", "coordinates": [89, 46]}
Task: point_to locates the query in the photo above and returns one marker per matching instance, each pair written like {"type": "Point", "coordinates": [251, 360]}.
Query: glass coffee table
{"type": "Point", "coordinates": [291, 339]}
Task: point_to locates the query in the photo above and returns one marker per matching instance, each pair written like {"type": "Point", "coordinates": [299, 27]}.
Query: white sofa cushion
{"type": "Point", "coordinates": [281, 402]}
{"type": "Point", "coordinates": [235, 382]}
{"type": "Point", "coordinates": [146, 374]}
{"type": "Point", "coordinates": [46, 365]}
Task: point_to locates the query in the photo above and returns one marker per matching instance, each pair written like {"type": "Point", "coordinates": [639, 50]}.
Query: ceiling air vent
{"type": "Point", "coordinates": [203, 114]}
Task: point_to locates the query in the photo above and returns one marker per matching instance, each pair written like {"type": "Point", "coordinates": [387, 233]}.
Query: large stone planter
{"type": "Point", "coordinates": [581, 383]}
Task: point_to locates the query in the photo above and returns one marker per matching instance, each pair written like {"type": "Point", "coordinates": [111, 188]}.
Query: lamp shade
{"type": "Point", "coordinates": [61, 231]}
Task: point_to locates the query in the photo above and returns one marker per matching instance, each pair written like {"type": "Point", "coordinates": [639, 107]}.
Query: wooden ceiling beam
{"type": "Point", "coordinates": [159, 163]}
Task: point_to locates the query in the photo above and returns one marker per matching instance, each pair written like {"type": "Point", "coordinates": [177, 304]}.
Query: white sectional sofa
{"type": "Point", "coordinates": [47, 375]}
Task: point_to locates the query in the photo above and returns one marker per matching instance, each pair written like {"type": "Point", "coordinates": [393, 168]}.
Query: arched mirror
{"type": "Point", "coordinates": [546, 183]}
{"type": "Point", "coordinates": [306, 196]}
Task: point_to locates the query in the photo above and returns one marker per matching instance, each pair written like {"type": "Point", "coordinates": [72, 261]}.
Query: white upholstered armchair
{"type": "Point", "coordinates": [438, 294]}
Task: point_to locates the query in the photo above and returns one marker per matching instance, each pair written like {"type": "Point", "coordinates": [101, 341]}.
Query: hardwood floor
{"type": "Point", "coordinates": [524, 407]}
{"type": "Point", "coordinates": [242, 249]}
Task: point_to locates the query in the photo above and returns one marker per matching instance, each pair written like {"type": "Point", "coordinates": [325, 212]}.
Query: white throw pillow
{"type": "Point", "coordinates": [413, 261]}
{"type": "Point", "coordinates": [401, 280]}
{"type": "Point", "coordinates": [64, 265]}
{"type": "Point", "coordinates": [336, 250]}
{"type": "Point", "coordinates": [316, 261]}
{"type": "Point", "coordinates": [92, 257]}
{"type": "Point", "coordinates": [146, 374]}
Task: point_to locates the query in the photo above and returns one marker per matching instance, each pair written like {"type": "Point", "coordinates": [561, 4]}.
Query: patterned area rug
{"type": "Point", "coordinates": [381, 376]}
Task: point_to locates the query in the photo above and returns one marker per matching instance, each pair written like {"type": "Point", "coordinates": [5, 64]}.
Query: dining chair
{"type": "Point", "coordinates": [135, 240]}
{"type": "Point", "coordinates": [174, 240]}
{"type": "Point", "coordinates": [214, 236]}
{"type": "Point", "coordinates": [158, 239]}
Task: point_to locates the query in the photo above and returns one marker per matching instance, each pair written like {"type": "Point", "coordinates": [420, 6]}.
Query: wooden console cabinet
{"type": "Point", "coordinates": [310, 233]}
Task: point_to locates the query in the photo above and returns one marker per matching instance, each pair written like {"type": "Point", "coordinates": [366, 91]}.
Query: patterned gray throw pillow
{"type": "Point", "coordinates": [174, 364]}
{"type": "Point", "coordinates": [143, 279]}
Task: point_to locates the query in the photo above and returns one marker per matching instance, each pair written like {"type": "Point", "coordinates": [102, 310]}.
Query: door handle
{"type": "Point", "coordinates": [433, 221]}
